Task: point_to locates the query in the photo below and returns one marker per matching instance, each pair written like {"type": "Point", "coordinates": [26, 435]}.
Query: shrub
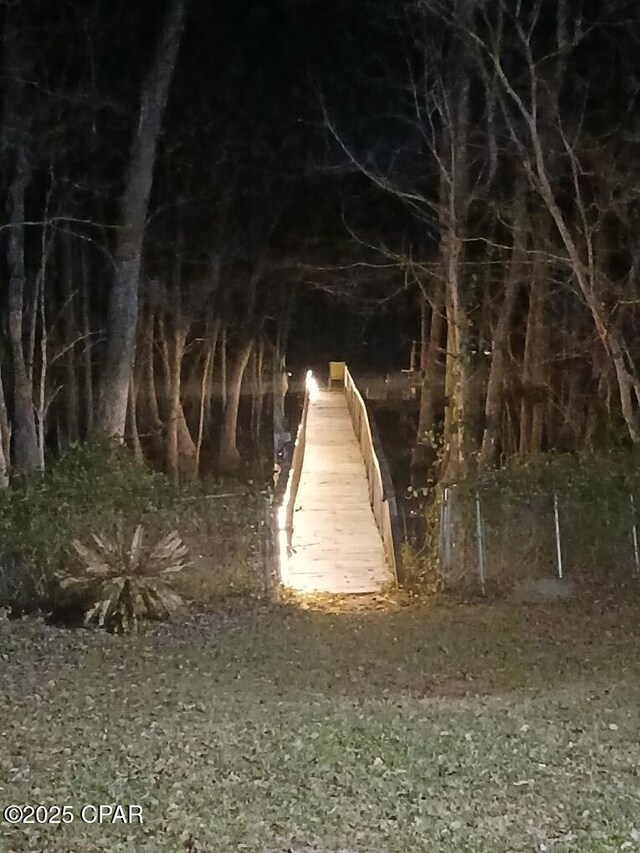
{"type": "Point", "coordinates": [88, 488]}
{"type": "Point", "coordinates": [120, 583]}
{"type": "Point", "coordinates": [96, 486]}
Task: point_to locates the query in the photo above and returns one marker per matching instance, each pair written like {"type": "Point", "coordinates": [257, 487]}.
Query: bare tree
{"type": "Point", "coordinates": [26, 455]}
{"type": "Point", "coordinates": [123, 309]}
{"type": "Point", "coordinates": [531, 111]}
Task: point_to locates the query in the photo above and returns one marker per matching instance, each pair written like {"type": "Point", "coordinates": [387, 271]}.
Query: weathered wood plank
{"type": "Point", "coordinates": [336, 545]}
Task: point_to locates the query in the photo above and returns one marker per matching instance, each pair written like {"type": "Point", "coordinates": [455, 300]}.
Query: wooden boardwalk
{"type": "Point", "coordinates": [336, 545]}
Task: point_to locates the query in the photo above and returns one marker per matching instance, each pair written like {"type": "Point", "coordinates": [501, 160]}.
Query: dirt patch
{"type": "Point", "coordinates": [393, 600]}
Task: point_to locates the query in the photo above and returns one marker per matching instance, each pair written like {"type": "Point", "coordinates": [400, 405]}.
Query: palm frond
{"type": "Point", "coordinates": [122, 581]}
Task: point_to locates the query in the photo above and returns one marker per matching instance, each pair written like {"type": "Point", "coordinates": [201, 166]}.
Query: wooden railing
{"type": "Point", "coordinates": [381, 492]}
{"type": "Point", "coordinates": [287, 504]}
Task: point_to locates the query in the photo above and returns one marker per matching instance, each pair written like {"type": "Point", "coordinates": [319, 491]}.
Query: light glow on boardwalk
{"type": "Point", "coordinates": [313, 389]}
{"type": "Point", "coordinates": [335, 544]}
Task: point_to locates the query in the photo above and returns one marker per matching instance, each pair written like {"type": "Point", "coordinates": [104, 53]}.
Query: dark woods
{"type": "Point", "coordinates": [173, 174]}
{"type": "Point", "coordinates": [509, 136]}
{"type": "Point", "coordinates": [138, 261]}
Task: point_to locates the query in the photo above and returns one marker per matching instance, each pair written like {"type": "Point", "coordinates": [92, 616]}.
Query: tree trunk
{"type": "Point", "coordinates": [5, 426]}
{"type": "Point", "coordinates": [132, 417]}
{"type": "Point", "coordinates": [258, 392]}
{"type": "Point", "coordinates": [173, 461]}
{"type": "Point", "coordinates": [495, 383]}
{"type": "Point", "coordinates": [455, 200]}
{"type": "Point", "coordinates": [71, 387]}
{"type": "Point", "coordinates": [229, 458]}
{"type": "Point", "coordinates": [151, 417]}
{"type": "Point", "coordinates": [204, 393]}
{"type": "Point", "coordinates": [87, 366]}
{"type": "Point", "coordinates": [165, 362]}
{"type": "Point", "coordinates": [42, 383]}
{"type": "Point", "coordinates": [456, 369]}
{"type": "Point", "coordinates": [208, 402]}
{"type": "Point", "coordinates": [223, 368]}
{"type": "Point", "coordinates": [123, 307]}
{"type": "Point", "coordinates": [279, 392]}
{"type": "Point", "coordinates": [540, 404]}
{"type": "Point", "coordinates": [4, 470]}
{"type": "Point", "coordinates": [423, 454]}
{"type": "Point", "coordinates": [4, 440]}
{"type": "Point", "coordinates": [533, 405]}
{"type": "Point", "coordinates": [429, 363]}
{"type": "Point", "coordinates": [26, 455]}
{"type": "Point", "coordinates": [187, 451]}
{"type": "Point", "coordinates": [180, 447]}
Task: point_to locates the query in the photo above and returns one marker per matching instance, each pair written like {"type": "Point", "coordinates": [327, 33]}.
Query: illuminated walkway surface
{"type": "Point", "coordinates": [336, 544]}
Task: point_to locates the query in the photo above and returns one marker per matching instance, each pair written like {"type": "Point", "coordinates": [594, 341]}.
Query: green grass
{"type": "Point", "coordinates": [428, 728]}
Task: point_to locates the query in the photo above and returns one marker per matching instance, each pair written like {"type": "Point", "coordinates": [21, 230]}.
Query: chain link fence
{"type": "Point", "coordinates": [490, 535]}
{"type": "Point", "coordinates": [231, 542]}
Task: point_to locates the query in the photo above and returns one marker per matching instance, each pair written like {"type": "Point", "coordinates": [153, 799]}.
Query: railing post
{"type": "Point", "coordinates": [480, 544]}
{"type": "Point", "coordinates": [446, 529]}
{"type": "Point", "coordinates": [634, 535]}
{"type": "Point", "coordinates": [556, 520]}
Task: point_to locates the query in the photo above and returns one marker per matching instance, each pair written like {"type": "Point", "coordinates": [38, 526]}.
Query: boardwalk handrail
{"type": "Point", "coordinates": [381, 492]}
{"type": "Point", "coordinates": [286, 508]}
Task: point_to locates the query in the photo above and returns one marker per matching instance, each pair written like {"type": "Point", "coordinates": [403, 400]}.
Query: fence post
{"type": "Point", "coordinates": [446, 529]}
{"type": "Point", "coordinates": [270, 547]}
{"type": "Point", "coordinates": [480, 542]}
{"type": "Point", "coordinates": [557, 528]}
{"type": "Point", "coordinates": [441, 533]}
{"type": "Point", "coordinates": [634, 534]}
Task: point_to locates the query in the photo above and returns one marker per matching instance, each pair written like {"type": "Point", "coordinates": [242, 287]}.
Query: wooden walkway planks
{"type": "Point", "coordinates": [336, 545]}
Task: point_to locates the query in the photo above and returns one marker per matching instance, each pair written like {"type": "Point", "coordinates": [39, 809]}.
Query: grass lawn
{"type": "Point", "coordinates": [431, 727]}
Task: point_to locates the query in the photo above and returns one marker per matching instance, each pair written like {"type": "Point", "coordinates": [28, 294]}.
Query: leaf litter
{"type": "Point", "coordinates": [288, 729]}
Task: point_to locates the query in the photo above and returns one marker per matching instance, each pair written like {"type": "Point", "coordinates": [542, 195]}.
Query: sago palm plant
{"type": "Point", "coordinates": [123, 581]}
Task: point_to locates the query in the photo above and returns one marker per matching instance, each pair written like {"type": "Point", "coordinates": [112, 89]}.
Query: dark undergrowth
{"type": "Point", "coordinates": [96, 489]}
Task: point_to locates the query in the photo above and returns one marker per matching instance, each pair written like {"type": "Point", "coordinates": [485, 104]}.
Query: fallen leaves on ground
{"type": "Point", "coordinates": [422, 727]}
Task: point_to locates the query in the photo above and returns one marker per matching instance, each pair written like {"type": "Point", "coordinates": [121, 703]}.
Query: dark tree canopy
{"type": "Point", "coordinates": [325, 179]}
